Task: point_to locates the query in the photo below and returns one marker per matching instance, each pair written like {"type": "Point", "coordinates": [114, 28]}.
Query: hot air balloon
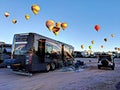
{"type": "Point", "coordinates": [6, 14]}
{"type": "Point", "coordinates": [112, 35]}
{"type": "Point", "coordinates": [14, 21]}
{"type": "Point", "coordinates": [90, 47]}
{"type": "Point", "coordinates": [116, 48]}
{"type": "Point", "coordinates": [82, 46]}
{"type": "Point", "coordinates": [35, 8]}
{"type": "Point", "coordinates": [50, 24]}
{"type": "Point", "coordinates": [105, 39]}
{"type": "Point", "coordinates": [56, 30]}
{"type": "Point", "coordinates": [27, 17]}
{"type": "Point", "coordinates": [64, 26]}
{"type": "Point", "coordinates": [92, 41]}
{"type": "Point", "coordinates": [58, 24]}
{"type": "Point", "coordinates": [102, 46]}
{"type": "Point", "coordinates": [97, 27]}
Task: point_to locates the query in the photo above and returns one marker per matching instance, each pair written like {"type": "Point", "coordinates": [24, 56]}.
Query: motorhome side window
{"type": "Point", "coordinates": [48, 50]}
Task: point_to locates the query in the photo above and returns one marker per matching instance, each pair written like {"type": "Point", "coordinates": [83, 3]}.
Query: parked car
{"type": "Point", "coordinates": [106, 61]}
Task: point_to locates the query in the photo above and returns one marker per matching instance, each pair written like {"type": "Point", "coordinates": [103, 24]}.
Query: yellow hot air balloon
{"type": "Point", "coordinates": [64, 25]}
{"type": "Point", "coordinates": [50, 24]}
{"type": "Point", "coordinates": [6, 14]}
{"type": "Point", "coordinates": [27, 16]}
{"type": "Point", "coordinates": [58, 24]}
{"type": "Point", "coordinates": [82, 46]}
{"type": "Point", "coordinates": [14, 21]}
{"type": "Point", "coordinates": [112, 35]}
{"type": "Point", "coordinates": [92, 41]}
{"type": "Point", "coordinates": [35, 8]}
{"type": "Point", "coordinates": [56, 30]}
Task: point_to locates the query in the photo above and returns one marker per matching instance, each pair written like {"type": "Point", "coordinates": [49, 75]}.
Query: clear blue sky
{"type": "Point", "coordinates": [81, 16]}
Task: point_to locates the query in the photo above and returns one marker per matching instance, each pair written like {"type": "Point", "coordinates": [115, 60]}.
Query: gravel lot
{"type": "Point", "coordinates": [89, 78]}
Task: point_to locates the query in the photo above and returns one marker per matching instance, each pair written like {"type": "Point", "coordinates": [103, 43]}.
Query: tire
{"type": "Point", "coordinates": [47, 67]}
{"type": "Point", "coordinates": [112, 67]}
{"type": "Point", "coordinates": [99, 67]}
{"type": "Point", "coordinates": [52, 66]}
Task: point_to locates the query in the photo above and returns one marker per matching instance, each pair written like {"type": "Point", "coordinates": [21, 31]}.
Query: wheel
{"type": "Point", "coordinates": [99, 67]}
{"type": "Point", "coordinates": [47, 67]}
{"type": "Point", "coordinates": [52, 66]}
{"type": "Point", "coordinates": [112, 67]}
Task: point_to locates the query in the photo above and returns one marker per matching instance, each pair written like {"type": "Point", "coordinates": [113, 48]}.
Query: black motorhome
{"type": "Point", "coordinates": [5, 51]}
{"type": "Point", "coordinates": [33, 52]}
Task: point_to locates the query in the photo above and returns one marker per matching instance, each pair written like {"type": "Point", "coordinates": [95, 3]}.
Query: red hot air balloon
{"type": "Point", "coordinates": [97, 27]}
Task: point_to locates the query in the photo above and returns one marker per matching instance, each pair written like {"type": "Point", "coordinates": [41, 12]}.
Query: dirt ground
{"type": "Point", "coordinates": [89, 78]}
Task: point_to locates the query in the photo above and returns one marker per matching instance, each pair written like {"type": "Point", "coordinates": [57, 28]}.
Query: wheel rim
{"type": "Point", "coordinates": [52, 66]}
{"type": "Point", "coordinates": [48, 67]}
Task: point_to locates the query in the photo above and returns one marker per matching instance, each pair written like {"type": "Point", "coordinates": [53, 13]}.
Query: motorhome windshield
{"type": "Point", "coordinates": [20, 44]}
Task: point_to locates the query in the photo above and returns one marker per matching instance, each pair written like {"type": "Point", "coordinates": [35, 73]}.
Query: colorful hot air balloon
{"type": "Point", "coordinates": [64, 26]}
{"type": "Point", "coordinates": [27, 17]}
{"type": "Point", "coordinates": [105, 39]}
{"type": "Point", "coordinates": [35, 8]}
{"type": "Point", "coordinates": [56, 30]}
{"type": "Point", "coordinates": [92, 41]}
{"type": "Point", "coordinates": [112, 35]}
{"type": "Point", "coordinates": [90, 47]}
{"type": "Point", "coordinates": [14, 21]}
{"type": "Point", "coordinates": [58, 24]}
{"type": "Point", "coordinates": [102, 46]}
{"type": "Point", "coordinates": [50, 24]}
{"type": "Point", "coordinates": [82, 46]}
{"type": "Point", "coordinates": [97, 27]}
{"type": "Point", "coordinates": [6, 14]}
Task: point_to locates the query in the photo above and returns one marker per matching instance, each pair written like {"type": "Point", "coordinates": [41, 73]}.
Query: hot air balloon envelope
{"type": "Point", "coordinates": [97, 27]}
{"type": "Point", "coordinates": [64, 25]}
{"type": "Point", "coordinates": [56, 30]}
{"type": "Point", "coordinates": [82, 46]}
{"type": "Point", "coordinates": [35, 8]}
{"type": "Point", "coordinates": [105, 39]}
{"type": "Point", "coordinates": [14, 21]}
{"type": "Point", "coordinates": [27, 17]}
{"type": "Point", "coordinates": [90, 47]}
{"type": "Point", "coordinates": [112, 35]}
{"type": "Point", "coordinates": [6, 14]}
{"type": "Point", "coordinates": [92, 41]}
{"type": "Point", "coordinates": [50, 24]}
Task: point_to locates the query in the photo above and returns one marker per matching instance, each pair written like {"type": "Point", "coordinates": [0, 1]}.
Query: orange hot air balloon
{"type": "Point", "coordinates": [64, 26]}
{"type": "Point", "coordinates": [6, 14]}
{"type": "Point", "coordinates": [14, 21]}
{"type": "Point", "coordinates": [92, 41]}
{"type": "Point", "coordinates": [97, 27]}
{"type": "Point", "coordinates": [27, 17]}
{"type": "Point", "coordinates": [105, 39]}
{"type": "Point", "coordinates": [56, 30]}
{"type": "Point", "coordinates": [58, 24]}
{"type": "Point", "coordinates": [82, 46]}
{"type": "Point", "coordinates": [35, 8]}
{"type": "Point", "coordinates": [50, 24]}
{"type": "Point", "coordinates": [102, 46]}
{"type": "Point", "coordinates": [112, 35]}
